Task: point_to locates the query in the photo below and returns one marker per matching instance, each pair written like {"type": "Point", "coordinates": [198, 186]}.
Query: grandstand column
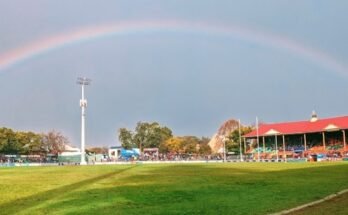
{"type": "Point", "coordinates": [324, 144]}
{"type": "Point", "coordinates": [305, 142]}
{"type": "Point", "coordinates": [258, 141]}
{"type": "Point", "coordinates": [284, 154]}
{"type": "Point", "coordinates": [263, 143]}
{"type": "Point", "coordinates": [344, 139]}
{"type": "Point", "coordinates": [276, 145]}
{"type": "Point", "coordinates": [244, 145]}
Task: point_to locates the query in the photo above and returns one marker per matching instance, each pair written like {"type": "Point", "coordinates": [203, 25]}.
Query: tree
{"type": "Point", "coordinates": [30, 142]}
{"type": "Point", "coordinates": [173, 145]}
{"type": "Point", "coordinates": [20, 142]}
{"type": "Point", "coordinates": [54, 142]}
{"type": "Point", "coordinates": [190, 144]}
{"type": "Point", "coordinates": [204, 140]}
{"type": "Point", "coordinates": [126, 138]}
{"type": "Point", "coordinates": [147, 135]}
{"type": "Point", "coordinates": [204, 148]}
{"type": "Point", "coordinates": [186, 144]}
{"type": "Point", "coordinates": [232, 143]}
{"type": "Point", "coordinates": [8, 142]}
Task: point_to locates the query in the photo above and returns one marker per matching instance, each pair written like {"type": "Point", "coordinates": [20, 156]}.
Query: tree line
{"type": "Point", "coordinates": [31, 143]}
{"type": "Point", "coordinates": [145, 135]}
{"type": "Point", "coordinates": [153, 135]}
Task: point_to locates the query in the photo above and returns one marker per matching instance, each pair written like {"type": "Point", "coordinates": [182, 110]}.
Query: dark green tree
{"type": "Point", "coordinates": [30, 142]}
{"type": "Point", "coordinates": [146, 135]}
{"type": "Point", "coordinates": [150, 135]}
{"type": "Point", "coordinates": [8, 142]}
{"type": "Point", "coordinates": [232, 142]}
{"type": "Point", "coordinates": [126, 138]}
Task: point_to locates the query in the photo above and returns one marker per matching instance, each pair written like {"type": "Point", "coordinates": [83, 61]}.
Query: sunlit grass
{"type": "Point", "coordinates": [231, 188]}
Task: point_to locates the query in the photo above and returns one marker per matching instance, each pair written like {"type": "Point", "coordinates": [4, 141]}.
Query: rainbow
{"type": "Point", "coordinates": [15, 56]}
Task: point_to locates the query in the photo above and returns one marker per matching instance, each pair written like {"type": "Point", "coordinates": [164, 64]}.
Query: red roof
{"type": "Point", "coordinates": [301, 127]}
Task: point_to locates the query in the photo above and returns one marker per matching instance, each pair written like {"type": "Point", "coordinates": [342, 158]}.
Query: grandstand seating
{"type": "Point", "coordinates": [317, 149]}
{"type": "Point", "coordinates": [334, 149]}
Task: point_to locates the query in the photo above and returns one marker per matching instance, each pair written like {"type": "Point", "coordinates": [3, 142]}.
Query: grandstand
{"type": "Point", "coordinates": [312, 139]}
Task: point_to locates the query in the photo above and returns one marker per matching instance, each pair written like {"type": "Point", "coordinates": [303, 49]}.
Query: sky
{"type": "Point", "coordinates": [189, 65]}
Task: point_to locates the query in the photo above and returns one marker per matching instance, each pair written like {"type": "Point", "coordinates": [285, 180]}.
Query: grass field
{"type": "Point", "coordinates": [336, 205]}
{"type": "Point", "coordinates": [230, 188]}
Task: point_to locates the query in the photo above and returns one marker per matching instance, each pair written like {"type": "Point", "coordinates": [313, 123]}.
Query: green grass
{"type": "Point", "coordinates": [231, 188]}
{"type": "Point", "coordinates": [336, 205]}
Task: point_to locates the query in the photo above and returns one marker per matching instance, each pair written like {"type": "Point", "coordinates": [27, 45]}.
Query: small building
{"type": "Point", "coordinates": [114, 152]}
{"type": "Point", "coordinates": [70, 155]}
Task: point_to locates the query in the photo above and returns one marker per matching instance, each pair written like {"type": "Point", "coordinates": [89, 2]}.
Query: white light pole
{"type": "Point", "coordinates": [83, 104]}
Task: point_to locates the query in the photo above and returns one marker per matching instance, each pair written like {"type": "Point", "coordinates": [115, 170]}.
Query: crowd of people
{"type": "Point", "coordinates": [168, 157]}
{"type": "Point", "coordinates": [333, 150]}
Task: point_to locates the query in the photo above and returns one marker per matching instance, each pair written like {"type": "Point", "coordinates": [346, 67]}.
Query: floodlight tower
{"type": "Point", "coordinates": [83, 104]}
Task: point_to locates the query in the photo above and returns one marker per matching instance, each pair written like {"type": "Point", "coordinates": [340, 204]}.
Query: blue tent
{"type": "Point", "coordinates": [129, 153]}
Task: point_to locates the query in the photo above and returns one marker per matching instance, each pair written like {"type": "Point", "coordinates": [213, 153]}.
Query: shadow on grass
{"type": "Point", "coordinates": [202, 189]}
{"type": "Point", "coordinates": [39, 198]}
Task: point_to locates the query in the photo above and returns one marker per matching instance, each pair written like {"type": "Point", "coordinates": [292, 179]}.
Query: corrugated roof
{"type": "Point", "coordinates": [301, 127]}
